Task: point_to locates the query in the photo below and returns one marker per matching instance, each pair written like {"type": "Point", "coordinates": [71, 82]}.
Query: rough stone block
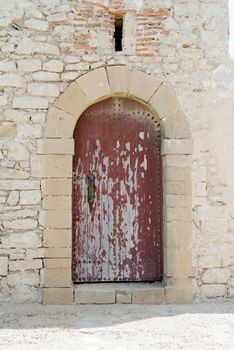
{"type": "Point", "coordinates": [27, 46]}
{"type": "Point", "coordinates": [19, 213]}
{"type": "Point", "coordinates": [171, 24]}
{"type": "Point", "coordinates": [213, 291]}
{"type": "Point", "coordinates": [16, 254]}
{"type": "Point", "coordinates": [17, 151]}
{"type": "Point", "coordinates": [37, 253]}
{"type": "Point", "coordinates": [13, 198]}
{"type": "Point", "coordinates": [23, 265]}
{"type": "Point", "coordinates": [32, 197]}
{"type": "Point", "coordinates": [210, 259]}
{"type": "Point", "coordinates": [36, 24]}
{"type": "Point", "coordinates": [53, 66]}
{"type": "Point", "coordinates": [11, 79]}
{"type": "Point", "coordinates": [232, 281]}
{"type": "Point", "coordinates": [59, 124]}
{"type": "Point", "coordinates": [55, 146]}
{"type": "Point", "coordinates": [57, 238]}
{"type": "Point", "coordinates": [69, 76]}
{"type": "Point", "coordinates": [51, 166]}
{"type": "Point", "coordinates": [231, 293]}
{"type": "Point", "coordinates": [217, 275]}
{"type": "Point", "coordinates": [20, 224]}
{"type": "Point", "coordinates": [59, 296]}
{"type": "Point", "coordinates": [7, 66]}
{"type": "Point", "coordinates": [8, 173]}
{"type": "Point", "coordinates": [148, 296]}
{"type": "Point", "coordinates": [19, 184]}
{"type": "Point", "coordinates": [142, 85]}
{"type": "Point", "coordinates": [4, 99]}
{"type": "Point", "coordinates": [82, 66]}
{"type": "Point", "coordinates": [46, 76]}
{"type": "Point", "coordinates": [29, 131]}
{"type": "Point", "coordinates": [99, 89]}
{"type": "Point", "coordinates": [29, 65]}
{"type": "Point", "coordinates": [46, 89]}
{"type": "Point", "coordinates": [23, 278]}
{"type": "Point", "coordinates": [3, 265]}
{"type": "Point", "coordinates": [21, 240]}
{"type": "Point", "coordinates": [214, 224]}
{"type": "Point", "coordinates": [30, 102]}
{"type": "Point", "coordinates": [74, 59]}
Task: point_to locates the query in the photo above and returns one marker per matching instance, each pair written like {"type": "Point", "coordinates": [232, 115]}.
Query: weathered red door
{"type": "Point", "coordinates": [117, 194]}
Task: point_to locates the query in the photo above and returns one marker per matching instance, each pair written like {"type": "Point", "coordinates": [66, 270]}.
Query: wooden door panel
{"type": "Point", "coordinates": [117, 237]}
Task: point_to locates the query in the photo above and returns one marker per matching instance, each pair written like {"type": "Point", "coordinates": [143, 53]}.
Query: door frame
{"type": "Point", "coordinates": [53, 165]}
{"type": "Point", "coordinates": [93, 119]}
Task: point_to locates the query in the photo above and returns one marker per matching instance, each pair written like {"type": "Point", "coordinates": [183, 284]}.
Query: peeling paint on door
{"type": "Point", "coordinates": [117, 236]}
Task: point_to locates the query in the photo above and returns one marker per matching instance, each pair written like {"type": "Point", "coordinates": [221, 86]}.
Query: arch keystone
{"type": "Point", "coordinates": [94, 84]}
{"type": "Point", "coordinates": [119, 79]}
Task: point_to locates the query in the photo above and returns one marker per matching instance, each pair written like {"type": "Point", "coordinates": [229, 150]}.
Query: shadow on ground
{"type": "Point", "coordinates": [98, 316]}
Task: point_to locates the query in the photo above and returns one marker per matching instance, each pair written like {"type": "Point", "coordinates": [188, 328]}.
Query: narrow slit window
{"type": "Point", "coordinates": [118, 33]}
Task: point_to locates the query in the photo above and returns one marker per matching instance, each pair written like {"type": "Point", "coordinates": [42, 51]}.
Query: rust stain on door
{"type": "Point", "coordinates": [117, 194]}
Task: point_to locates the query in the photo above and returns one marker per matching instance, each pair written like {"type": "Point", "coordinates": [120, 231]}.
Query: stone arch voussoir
{"type": "Point", "coordinates": [102, 83]}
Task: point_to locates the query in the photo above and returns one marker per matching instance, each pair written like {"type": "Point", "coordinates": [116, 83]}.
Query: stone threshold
{"type": "Point", "coordinates": [120, 293]}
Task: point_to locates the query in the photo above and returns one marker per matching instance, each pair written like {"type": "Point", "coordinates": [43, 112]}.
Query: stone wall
{"type": "Point", "coordinates": [44, 46]}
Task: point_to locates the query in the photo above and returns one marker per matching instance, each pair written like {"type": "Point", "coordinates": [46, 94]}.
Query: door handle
{"type": "Point", "coordinates": [91, 188]}
{"type": "Point", "coordinates": [76, 179]}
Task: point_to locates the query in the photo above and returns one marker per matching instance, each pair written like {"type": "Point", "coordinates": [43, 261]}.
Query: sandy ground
{"type": "Point", "coordinates": [112, 327]}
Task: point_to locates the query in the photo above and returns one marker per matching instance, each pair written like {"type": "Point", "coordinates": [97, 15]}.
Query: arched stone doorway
{"type": "Point", "coordinates": [53, 164]}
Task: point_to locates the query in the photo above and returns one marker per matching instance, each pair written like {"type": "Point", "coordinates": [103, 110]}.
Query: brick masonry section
{"type": "Point", "coordinates": [142, 32]}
